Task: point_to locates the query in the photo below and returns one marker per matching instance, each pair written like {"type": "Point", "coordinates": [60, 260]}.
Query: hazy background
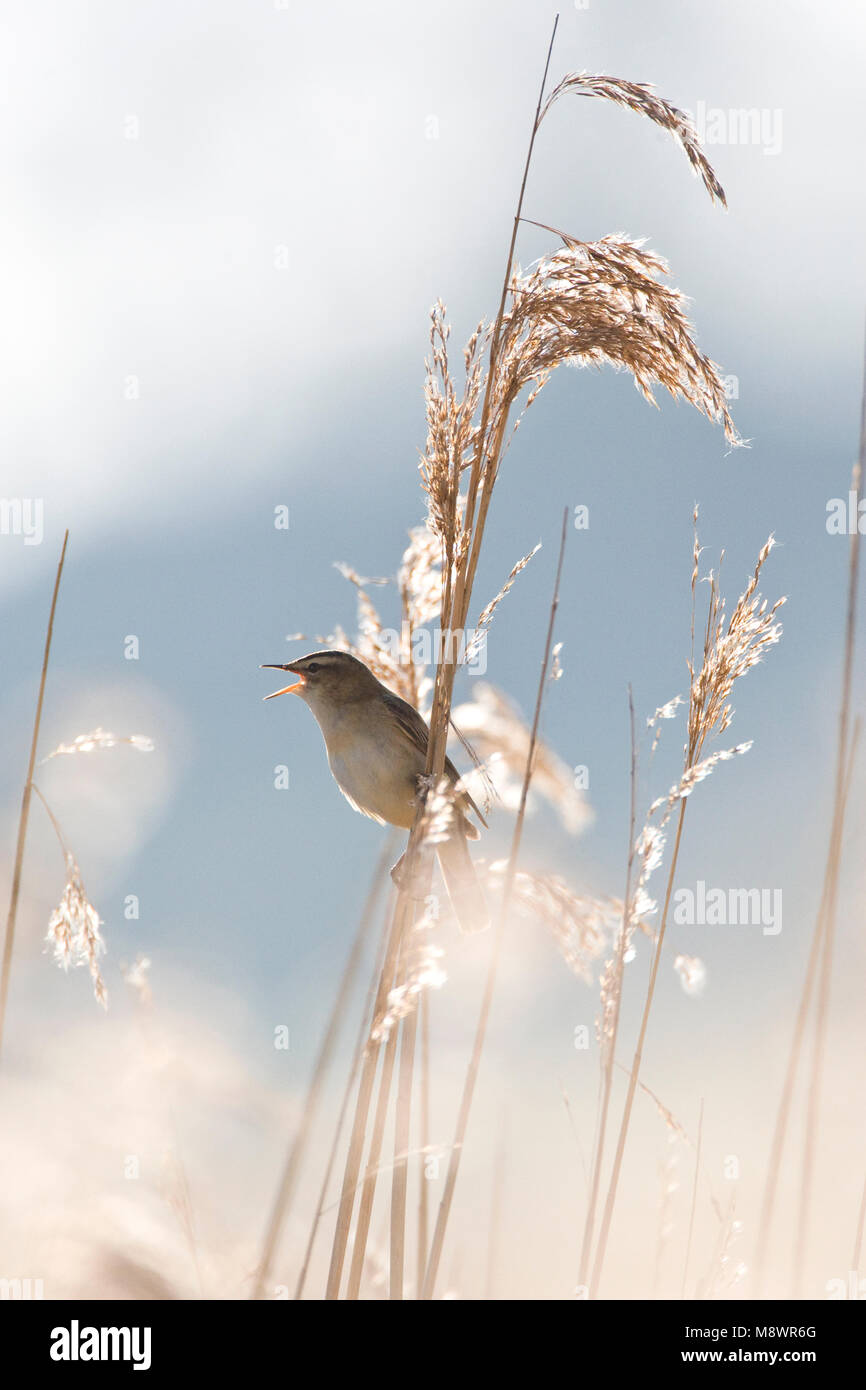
{"type": "Point", "coordinates": [224, 226]}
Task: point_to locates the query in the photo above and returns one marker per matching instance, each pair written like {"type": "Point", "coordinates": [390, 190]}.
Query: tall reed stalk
{"type": "Point", "coordinates": [369, 1067]}
{"type": "Point", "coordinates": [818, 965]}
{"type": "Point", "coordinates": [610, 1042]}
{"type": "Point", "coordinates": [315, 1089]}
{"type": "Point", "coordinates": [844, 760]}
{"type": "Point", "coordinates": [9, 939]}
{"type": "Point", "coordinates": [469, 1084]}
{"type": "Point", "coordinates": [366, 1022]}
{"type": "Point", "coordinates": [729, 650]}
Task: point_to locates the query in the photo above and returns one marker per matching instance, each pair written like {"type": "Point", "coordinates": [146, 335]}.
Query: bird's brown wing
{"type": "Point", "coordinates": [412, 724]}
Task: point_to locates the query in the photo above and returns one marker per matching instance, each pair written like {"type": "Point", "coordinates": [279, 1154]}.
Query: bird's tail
{"type": "Point", "coordinates": [464, 890]}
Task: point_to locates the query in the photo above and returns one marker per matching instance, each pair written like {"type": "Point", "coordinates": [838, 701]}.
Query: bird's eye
{"type": "Point", "coordinates": [313, 667]}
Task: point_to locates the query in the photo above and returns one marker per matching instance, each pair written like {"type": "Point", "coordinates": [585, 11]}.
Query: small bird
{"type": "Point", "coordinates": [377, 749]}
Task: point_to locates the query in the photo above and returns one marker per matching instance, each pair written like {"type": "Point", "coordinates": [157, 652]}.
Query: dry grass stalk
{"type": "Point", "coordinates": [368, 1188]}
{"type": "Point", "coordinates": [357, 1055]}
{"type": "Point", "coordinates": [400, 1173]}
{"type": "Point", "coordinates": [420, 971]}
{"type": "Point", "coordinates": [694, 1199]}
{"type": "Point", "coordinates": [9, 938]}
{"type": "Point", "coordinates": [417, 971]}
{"type": "Point", "coordinates": [669, 1183]}
{"type": "Point", "coordinates": [300, 1140]}
{"type": "Point", "coordinates": [369, 1067]}
{"type": "Point", "coordinates": [858, 1233]}
{"type": "Point", "coordinates": [731, 646]}
{"type": "Point", "coordinates": [443, 1214]}
{"type": "Point", "coordinates": [846, 754]}
{"type": "Point", "coordinates": [723, 1273]}
{"type": "Point", "coordinates": [494, 1230]}
{"type": "Point", "coordinates": [820, 952]}
{"type": "Point", "coordinates": [611, 997]}
{"type": "Point", "coordinates": [423, 1203]}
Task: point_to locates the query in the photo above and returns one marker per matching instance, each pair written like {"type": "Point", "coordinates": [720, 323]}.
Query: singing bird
{"type": "Point", "coordinates": [377, 750]}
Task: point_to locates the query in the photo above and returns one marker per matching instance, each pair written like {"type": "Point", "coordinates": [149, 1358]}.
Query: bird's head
{"type": "Point", "coordinates": [326, 676]}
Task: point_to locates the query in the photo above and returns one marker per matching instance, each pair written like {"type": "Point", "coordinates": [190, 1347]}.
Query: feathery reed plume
{"type": "Point", "coordinates": [9, 938]}
{"type": "Point", "coordinates": [73, 928]}
{"type": "Point", "coordinates": [486, 616]}
{"type": "Point", "coordinates": [731, 647]}
{"type": "Point", "coordinates": [490, 437]}
{"type": "Point", "coordinates": [500, 736]}
{"type": "Point", "coordinates": [398, 658]}
{"type": "Point", "coordinates": [73, 931]}
{"type": "Point", "coordinates": [99, 738]}
{"type": "Point", "coordinates": [673, 1125]}
{"type": "Point", "coordinates": [420, 584]}
{"type": "Point", "coordinates": [641, 97]}
{"type": "Point", "coordinates": [452, 431]}
{"type": "Point", "coordinates": [601, 302]}
{"type": "Point", "coordinates": [373, 644]}
{"type": "Point", "coordinates": [581, 925]}
{"type": "Point", "coordinates": [665, 711]}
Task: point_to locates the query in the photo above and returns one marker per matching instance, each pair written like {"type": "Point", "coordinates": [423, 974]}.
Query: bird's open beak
{"type": "Point", "coordinates": [287, 689]}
